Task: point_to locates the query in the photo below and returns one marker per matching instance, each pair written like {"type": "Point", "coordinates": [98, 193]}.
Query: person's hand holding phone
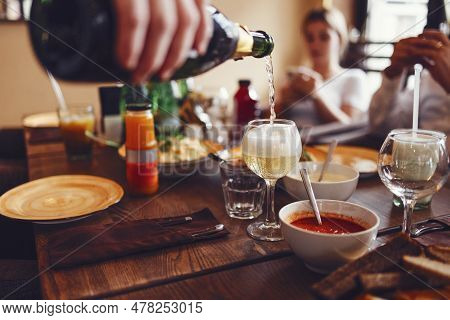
{"type": "Point", "coordinates": [431, 49]}
{"type": "Point", "coordinates": [304, 81]}
{"type": "Point", "coordinates": [437, 59]}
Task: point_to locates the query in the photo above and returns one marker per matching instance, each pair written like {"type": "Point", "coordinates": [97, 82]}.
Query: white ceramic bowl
{"type": "Point", "coordinates": [340, 190]}
{"type": "Point", "coordinates": [324, 252]}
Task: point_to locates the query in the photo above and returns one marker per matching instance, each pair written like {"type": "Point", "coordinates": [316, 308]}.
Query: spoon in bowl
{"type": "Point", "coordinates": [310, 192]}
{"type": "Point", "coordinates": [330, 152]}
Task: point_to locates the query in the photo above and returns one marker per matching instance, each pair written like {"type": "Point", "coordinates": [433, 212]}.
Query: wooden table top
{"type": "Point", "coordinates": [234, 267]}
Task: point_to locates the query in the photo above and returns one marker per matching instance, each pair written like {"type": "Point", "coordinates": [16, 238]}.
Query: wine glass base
{"type": "Point", "coordinates": [262, 232]}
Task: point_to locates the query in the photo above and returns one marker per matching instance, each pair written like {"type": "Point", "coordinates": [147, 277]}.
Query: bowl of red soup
{"type": "Point", "coordinates": [347, 232]}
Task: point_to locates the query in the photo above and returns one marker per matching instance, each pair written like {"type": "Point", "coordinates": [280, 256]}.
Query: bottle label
{"type": "Point", "coordinates": [142, 156]}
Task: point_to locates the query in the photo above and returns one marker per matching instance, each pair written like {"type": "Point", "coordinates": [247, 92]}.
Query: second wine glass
{"type": "Point", "coordinates": [271, 150]}
{"type": "Point", "coordinates": [413, 165]}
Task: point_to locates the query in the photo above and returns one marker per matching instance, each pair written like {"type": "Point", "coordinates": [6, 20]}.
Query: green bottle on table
{"type": "Point", "coordinates": [74, 40]}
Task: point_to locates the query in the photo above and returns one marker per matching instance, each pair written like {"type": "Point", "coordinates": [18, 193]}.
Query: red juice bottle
{"type": "Point", "coordinates": [246, 106]}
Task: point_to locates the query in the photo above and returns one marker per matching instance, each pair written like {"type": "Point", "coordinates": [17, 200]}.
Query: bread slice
{"type": "Point", "coordinates": [441, 253]}
{"type": "Point", "coordinates": [344, 281]}
{"type": "Point", "coordinates": [376, 282]}
{"type": "Point", "coordinates": [430, 269]}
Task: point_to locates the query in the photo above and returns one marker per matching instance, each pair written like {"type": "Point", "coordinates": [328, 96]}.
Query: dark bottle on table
{"type": "Point", "coordinates": [246, 104]}
{"type": "Point", "coordinates": [74, 40]}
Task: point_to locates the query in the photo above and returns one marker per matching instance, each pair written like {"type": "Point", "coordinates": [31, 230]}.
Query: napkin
{"type": "Point", "coordinates": [95, 243]}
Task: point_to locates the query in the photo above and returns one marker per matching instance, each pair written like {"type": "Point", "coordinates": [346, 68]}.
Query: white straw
{"type": "Point", "coordinates": [58, 92]}
{"type": "Point", "coordinates": [417, 70]}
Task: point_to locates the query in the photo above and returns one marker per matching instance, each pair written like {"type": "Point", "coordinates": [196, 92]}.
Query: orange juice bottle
{"type": "Point", "coordinates": [142, 149]}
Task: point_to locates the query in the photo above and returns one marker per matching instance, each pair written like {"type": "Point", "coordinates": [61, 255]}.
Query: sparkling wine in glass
{"type": "Point", "coordinates": [413, 165]}
{"type": "Point", "coordinates": [270, 150]}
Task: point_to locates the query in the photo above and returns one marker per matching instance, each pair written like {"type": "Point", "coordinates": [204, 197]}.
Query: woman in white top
{"type": "Point", "coordinates": [392, 105]}
{"type": "Point", "coordinates": [326, 92]}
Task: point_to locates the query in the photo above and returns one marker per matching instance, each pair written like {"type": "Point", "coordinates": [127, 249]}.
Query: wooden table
{"type": "Point", "coordinates": [234, 267]}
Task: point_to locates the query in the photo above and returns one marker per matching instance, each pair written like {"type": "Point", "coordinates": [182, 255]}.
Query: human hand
{"type": "Point", "coordinates": [155, 36]}
{"type": "Point", "coordinates": [437, 59]}
{"type": "Point", "coordinates": [304, 82]}
{"type": "Point", "coordinates": [410, 51]}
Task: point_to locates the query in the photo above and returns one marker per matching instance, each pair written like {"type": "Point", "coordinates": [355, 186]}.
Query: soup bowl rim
{"type": "Point", "coordinates": [332, 235]}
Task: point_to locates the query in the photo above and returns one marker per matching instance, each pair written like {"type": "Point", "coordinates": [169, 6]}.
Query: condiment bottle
{"type": "Point", "coordinates": [246, 106]}
{"type": "Point", "coordinates": [142, 150]}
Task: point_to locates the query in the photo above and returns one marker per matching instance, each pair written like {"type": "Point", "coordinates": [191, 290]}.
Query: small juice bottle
{"type": "Point", "coordinates": [142, 149]}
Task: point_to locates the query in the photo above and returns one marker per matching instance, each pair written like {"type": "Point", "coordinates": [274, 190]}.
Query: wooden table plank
{"type": "Point", "coordinates": [284, 278]}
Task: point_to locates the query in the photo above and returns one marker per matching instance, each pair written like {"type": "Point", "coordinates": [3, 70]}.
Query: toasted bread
{"type": "Point", "coordinates": [429, 268]}
{"type": "Point", "coordinates": [441, 253]}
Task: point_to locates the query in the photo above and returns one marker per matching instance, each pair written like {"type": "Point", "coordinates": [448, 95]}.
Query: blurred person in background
{"type": "Point", "coordinates": [326, 92]}
{"type": "Point", "coordinates": [392, 104]}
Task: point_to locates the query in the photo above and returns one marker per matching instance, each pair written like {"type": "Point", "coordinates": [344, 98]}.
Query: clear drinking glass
{"type": "Point", "coordinates": [242, 189]}
{"type": "Point", "coordinates": [74, 122]}
{"type": "Point", "coordinates": [413, 165]}
{"type": "Point", "coordinates": [271, 150]}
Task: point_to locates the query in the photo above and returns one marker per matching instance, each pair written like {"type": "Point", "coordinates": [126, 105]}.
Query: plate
{"type": "Point", "coordinates": [41, 120]}
{"type": "Point", "coordinates": [60, 198]}
{"type": "Point", "coordinates": [182, 167]}
{"type": "Point", "coordinates": [362, 159]}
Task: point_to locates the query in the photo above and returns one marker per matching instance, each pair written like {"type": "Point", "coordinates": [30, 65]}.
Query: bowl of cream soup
{"type": "Point", "coordinates": [338, 183]}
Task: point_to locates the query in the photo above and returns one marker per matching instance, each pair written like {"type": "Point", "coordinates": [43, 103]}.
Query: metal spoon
{"type": "Point", "coordinates": [310, 192]}
{"type": "Point", "coordinates": [330, 152]}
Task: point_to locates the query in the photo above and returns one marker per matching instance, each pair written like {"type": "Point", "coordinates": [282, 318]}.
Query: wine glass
{"type": "Point", "coordinates": [413, 165]}
{"type": "Point", "coordinates": [271, 150]}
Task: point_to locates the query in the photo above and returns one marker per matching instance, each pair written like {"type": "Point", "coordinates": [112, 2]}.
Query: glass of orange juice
{"type": "Point", "coordinates": [74, 122]}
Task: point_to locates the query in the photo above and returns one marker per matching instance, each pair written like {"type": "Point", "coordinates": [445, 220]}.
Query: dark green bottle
{"type": "Point", "coordinates": [74, 40]}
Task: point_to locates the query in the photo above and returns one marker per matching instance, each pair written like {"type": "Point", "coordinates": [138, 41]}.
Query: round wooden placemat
{"type": "Point", "coordinates": [60, 197]}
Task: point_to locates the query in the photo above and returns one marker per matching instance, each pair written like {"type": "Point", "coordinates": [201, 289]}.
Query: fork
{"type": "Point", "coordinates": [418, 229]}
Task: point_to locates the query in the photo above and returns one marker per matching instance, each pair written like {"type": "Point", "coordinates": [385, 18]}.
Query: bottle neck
{"type": "Point", "coordinates": [253, 43]}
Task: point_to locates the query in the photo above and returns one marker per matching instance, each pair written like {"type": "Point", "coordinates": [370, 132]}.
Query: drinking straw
{"type": "Point", "coordinates": [417, 70]}
{"type": "Point", "coordinates": [58, 92]}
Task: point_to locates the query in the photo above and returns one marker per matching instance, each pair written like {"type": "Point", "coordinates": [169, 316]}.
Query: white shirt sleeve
{"type": "Point", "coordinates": [389, 107]}
{"type": "Point", "coordinates": [355, 92]}
{"type": "Point", "coordinates": [392, 107]}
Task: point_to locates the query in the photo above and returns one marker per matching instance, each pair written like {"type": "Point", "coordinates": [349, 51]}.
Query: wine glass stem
{"type": "Point", "coordinates": [271, 217]}
{"type": "Point", "coordinates": [408, 205]}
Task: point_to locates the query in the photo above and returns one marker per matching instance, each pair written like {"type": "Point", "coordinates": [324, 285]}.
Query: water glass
{"type": "Point", "coordinates": [242, 189]}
